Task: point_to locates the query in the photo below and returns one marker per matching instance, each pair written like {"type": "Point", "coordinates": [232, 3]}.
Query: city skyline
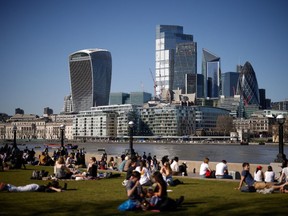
{"type": "Point", "coordinates": [38, 37]}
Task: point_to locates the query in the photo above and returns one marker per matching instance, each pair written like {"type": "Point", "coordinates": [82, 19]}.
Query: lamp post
{"type": "Point", "coordinates": [62, 129]}
{"type": "Point", "coordinates": [281, 157]}
{"type": "Point", "coordinates": [131, 129]}
{"type": "Point", "coordinates": [14, 132]}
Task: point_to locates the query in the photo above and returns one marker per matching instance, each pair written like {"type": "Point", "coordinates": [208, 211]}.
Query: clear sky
{"type": "Point", "coordinates": [37, 36]}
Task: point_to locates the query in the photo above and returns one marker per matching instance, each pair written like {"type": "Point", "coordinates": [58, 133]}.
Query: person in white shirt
{"type": "Point", "coordinates": [175, 166]}
{"type": "Point", "coordinates": [145, 179]}
{"type": "Point", "coordinates": [222, 170]}
{"type": "Point", "coordinates": [258, 174]}
{"type": "Point", "coordinates": [269, 175]}
{"type": "Point", "coordinates": [284, 173]}
{"type": "Point", "coordinates": [204, 167]}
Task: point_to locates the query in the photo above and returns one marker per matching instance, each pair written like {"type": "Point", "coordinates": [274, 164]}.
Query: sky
{"type": "Point", "coordinates": [37, 37]}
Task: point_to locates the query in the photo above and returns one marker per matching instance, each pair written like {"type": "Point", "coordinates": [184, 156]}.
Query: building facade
{"type": "Point", "coordinates": [211, 70]}
{"type": "Point", "coordinates": [185, 68]}
{"type": "Point", "coordinates": [229, 83]}
{"type": "Point", "coordinates": [90, 75]}
{"type": "Point", "coordinates": [167, 39]}
{"type": "Point", "coordinates": [247, 86]}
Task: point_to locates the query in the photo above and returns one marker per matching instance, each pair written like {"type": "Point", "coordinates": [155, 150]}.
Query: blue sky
{"type": "Point", "coordinates": [37, 37]}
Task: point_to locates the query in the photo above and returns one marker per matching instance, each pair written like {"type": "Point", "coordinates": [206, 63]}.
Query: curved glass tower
{"type": "Point", "coordinates": [90, 77]}
{"type": "Point", "coordinates": [247, 86]}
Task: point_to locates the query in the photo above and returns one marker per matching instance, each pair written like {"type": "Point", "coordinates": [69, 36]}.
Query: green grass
{"type": "Point", "coordinates": [102, 197]}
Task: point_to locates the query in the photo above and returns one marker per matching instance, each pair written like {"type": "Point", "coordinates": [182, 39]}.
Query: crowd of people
{"type": "Point", "coordinates": [146, 180]}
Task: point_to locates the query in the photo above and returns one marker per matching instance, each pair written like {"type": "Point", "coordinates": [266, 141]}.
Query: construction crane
{"type": "Point", "coordinates": [155, 85]}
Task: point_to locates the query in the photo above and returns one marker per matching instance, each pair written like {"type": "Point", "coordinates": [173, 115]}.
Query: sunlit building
{"type": "Point", "coordinates": [172, 48]}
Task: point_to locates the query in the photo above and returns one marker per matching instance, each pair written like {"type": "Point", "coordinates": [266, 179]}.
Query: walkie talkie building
{"type": "Point", "coordinates": [90, 78]}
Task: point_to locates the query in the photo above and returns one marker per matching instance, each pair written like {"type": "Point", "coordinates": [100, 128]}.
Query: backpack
{"type": "Point", "coordinates": [38, 175]}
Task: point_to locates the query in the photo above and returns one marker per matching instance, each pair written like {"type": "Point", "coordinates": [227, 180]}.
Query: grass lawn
{"type": "Point", "coordinates": [102, 197]}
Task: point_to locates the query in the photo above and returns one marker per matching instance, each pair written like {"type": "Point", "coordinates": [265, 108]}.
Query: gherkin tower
{"type": "Point", "coordinates": [247, 86]}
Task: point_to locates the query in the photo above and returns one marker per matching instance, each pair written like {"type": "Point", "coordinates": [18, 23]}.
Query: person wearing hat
{"type": "Point", "coordinates": [258, 174]}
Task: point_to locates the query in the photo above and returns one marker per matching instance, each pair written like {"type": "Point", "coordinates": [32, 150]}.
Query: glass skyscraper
{"type": "Point", "coordinates": [172, 48]}
{"type": "Point", "coordinates": [229, 83]}
{"type": "Point", "coordinates": [211, 71]}
{"type": "Point", "coordinates": [185, 68]}
{"type": "Point", "coordinates": [90, 77]}
{"type": "Point", "coordinates": [247, 86]}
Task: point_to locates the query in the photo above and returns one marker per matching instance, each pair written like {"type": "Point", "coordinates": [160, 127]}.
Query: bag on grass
{"type": "Point", "coordinates": [128, 205]}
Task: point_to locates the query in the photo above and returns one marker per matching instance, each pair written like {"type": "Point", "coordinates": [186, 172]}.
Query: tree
{"type": "Point", "coordinates": [224, 124]}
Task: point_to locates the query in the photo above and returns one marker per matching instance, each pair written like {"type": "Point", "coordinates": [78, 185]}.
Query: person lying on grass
{"type": "Point", "coordinates": [50, 187]}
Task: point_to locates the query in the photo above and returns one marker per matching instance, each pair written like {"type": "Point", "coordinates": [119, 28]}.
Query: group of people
{"type": "Point", "coordinates": [146, 186]}
{"type": "Point", "coordinates": [258, 183]}
{"type": "Point", "coordinates": [221, 171]}
{"type": "Point", "coordinates": [152, 198]}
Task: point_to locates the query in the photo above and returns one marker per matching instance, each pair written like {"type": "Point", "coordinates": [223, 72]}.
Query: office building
{"type": "Point", "coordinates": [119, 98]}
{"type": "Point", "coordinates": [68, 107]}
{"type": "Point", "coordinates": [229, 83]}
{"type": "Point", "coordinates": [172, 44]}
{"type": "Point", "coordinates": [135, 98]}
{"type": "Point", "coordinates": [262, 98]}
{"type": "Point", "coordinates": [185, 68]}
{"type": "Point", "coordinates": [48, 111]}
{"type": "Point", "coordinates": [247, 86]}
{"type": "Point", "coordinates": [211, 71]}
{"type": "Point", "coordinates": [90, 75]}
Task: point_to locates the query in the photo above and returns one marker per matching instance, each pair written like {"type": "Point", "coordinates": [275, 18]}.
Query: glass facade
{"type": "Point", "coordinates": [229, 83]}
{"type": "Point", "coordinates": [167, 38]}
{"type": "Point", "coordinates": [248, 86]}
{"type": "Point", "coordinates": [211, 71]}
{"type": "Point", "coordinates": [135, 98]}
{"type": "Point", "coordinates": [90, 76]}
{"type": "Point", "coordinates": [185, 64]}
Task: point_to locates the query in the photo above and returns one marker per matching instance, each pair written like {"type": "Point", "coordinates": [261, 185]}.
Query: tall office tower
{"type": "Point", "coordinates": [229, 83]}
{"type": "Point", "coordinates": [247, 86]}
{"type": "Point", "coordinates": [262, 98]}
{"type": "Point", "coordinates": [167, 39]}
{"type": "Point", "coordinates": [68, 108]}
{"type": "Point", "coordinates": [200, 86]}
{"type": "Point", "coordinates": [90, 75]}
{"type": "Point", "coordinates": [185, 67]}
{"type": "Point", "coordinates": [211, 71]}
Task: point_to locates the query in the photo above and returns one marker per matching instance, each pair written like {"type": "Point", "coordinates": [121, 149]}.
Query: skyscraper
{"type": "Point", "coordinates": [229, 83]}
{"type": "Point", "coordinates": [211, 71]}
{"type": "Point", "coordinates": [185, 67]}
{"type": "Point", "coordinates": [169, 44]}
{"type": "Point", "coordinates": [247, 86]}
{"type": "Point", "coordinates": [90, 76]}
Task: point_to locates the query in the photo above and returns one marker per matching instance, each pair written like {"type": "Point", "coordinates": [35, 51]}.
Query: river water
{"type": "Point", "coordinates": [233, 153]}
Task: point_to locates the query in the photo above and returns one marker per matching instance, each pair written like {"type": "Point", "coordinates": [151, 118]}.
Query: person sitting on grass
{"type": "Point", "coordinates": [247, 178]}
{"type": "Point", "coordinates": [50, 187]}
{"type": "Point", "coordinates": [135, 193]}
{"type": "Point", "coordinates": [61, 170]}
{"type": "Point", "coordinates": [91, 171]}
{"type": "Point", "coordinates": [159, 199]}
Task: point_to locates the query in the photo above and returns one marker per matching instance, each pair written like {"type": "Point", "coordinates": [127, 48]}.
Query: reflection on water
{"type": "Point", "coordinates": [262, 154]}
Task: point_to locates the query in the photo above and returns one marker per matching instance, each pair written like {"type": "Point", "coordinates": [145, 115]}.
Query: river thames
{"type": "Point", "coordinates": [233, 153]}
